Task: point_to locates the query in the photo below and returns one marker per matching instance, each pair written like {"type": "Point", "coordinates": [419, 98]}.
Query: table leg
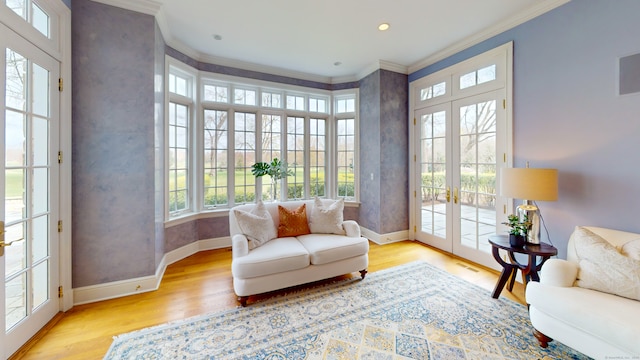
{"type": "Point", "coordinates": [507, 271]}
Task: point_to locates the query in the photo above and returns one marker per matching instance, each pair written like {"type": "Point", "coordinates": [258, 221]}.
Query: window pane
{"type": "Point", "coordinates": [216, 148]}
{"type": "Point", "coordinates": [317, 150]}
{"type": "Point", "coordinates": [346, 158]}
{"type": "Point", "coordinates": [178, 152]}
{"type": "Point", "coordinates": [40, 20]}
{"type": "Point", "coordinates": [16, 77]}
{"type": "Point", "coordinates": [216, 93]}
{"type": "Point", "coordinates": [295, 102]}
{"type": "Point", "coordinates": [487, 74]}
{"type": "Point", "coordinates": [271, 149]}
{"type": "Point", "coordinates": [468, 80]}
{"type": "Point", "coordinates": [295, 157]}
{"type": "Point", "coordinates": [244, 157]}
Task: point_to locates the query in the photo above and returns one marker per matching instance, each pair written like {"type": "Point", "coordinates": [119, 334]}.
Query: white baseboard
{"type": "Point", "coordinates": [382, 239]}
{"type": "Point", "coordinates": [116, 289]}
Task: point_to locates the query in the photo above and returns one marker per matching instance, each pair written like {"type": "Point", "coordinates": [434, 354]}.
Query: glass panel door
{"type": "Point", "coordinates": [29, 117]}
{"type": "Point", "coordinates": [477, 120]}
{"type": "Point", "coordinates": [434, 177]}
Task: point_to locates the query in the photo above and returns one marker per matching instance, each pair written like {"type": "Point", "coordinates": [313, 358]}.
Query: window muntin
{"type": "Point", "coordinates": [295, 157]}
{"type": "Point", "coordinates": [244, 157]}
{"type": "Point", "coordinates": [346, 151]}
{"type": "Point", "coordinates": [216, 93]}
{"type": "Point", "coordinates": [271, 99]}
{"type": "Point", "coordinates": [318, 105]}
{"type": "Point", "coordinates": [178, 158]}
{"type": "Point", "coordinates": [295, 102]}
{"type": "Point", "coordinates": [433, 91]}
{"type": "Point", "coordinates": [345, 105]}
{"type": "Point", "coordinates": [244, 96]}
{"type": "Point", "coordinates": [477, 77]}
{"type": "Point", "coordinates": [216, 152]}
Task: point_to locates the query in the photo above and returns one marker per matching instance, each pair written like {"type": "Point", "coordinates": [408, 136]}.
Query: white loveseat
{"type": "Point", "coordinates": [565, 307]}
{"type": "Point", "coordinates": [281, 262]}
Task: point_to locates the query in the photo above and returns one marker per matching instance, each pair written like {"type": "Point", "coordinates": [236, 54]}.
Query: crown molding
{"type": "Point", "coordinates": [488, 33]}
{"type": "Point", "coordinates": [149, 7]}
{"type": "Point", "coordinates": [382, 65]}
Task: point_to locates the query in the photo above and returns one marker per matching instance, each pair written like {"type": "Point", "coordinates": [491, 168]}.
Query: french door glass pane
{"type": "Point", "coordinates": [40, 283]}
{"type": "Point", "coordinates": [477, 174]}
{"type": "Point", "coordinates": [433, 173]}
{"type": "Point", "coordinates": [16, 300]}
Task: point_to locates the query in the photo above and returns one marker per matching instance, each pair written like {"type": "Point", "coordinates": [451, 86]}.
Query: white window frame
{"type": "Point", "coordinates": [199, 105]}
{"type": "Point", "coordinates": [190, 101]}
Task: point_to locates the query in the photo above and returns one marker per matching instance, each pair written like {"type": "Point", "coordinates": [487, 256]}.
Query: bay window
{"type": "Point", "coordinates": [210, 152]}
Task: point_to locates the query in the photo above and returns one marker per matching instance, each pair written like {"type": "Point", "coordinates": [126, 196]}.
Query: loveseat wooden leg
{"type": "Point", "coordinates": [243, 300]}
{"type": "Point", "coordinates": [363, 273]}
{"type": "Point", "coordinates": [543, 339]}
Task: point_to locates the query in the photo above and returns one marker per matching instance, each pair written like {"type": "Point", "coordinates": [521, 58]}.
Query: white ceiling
{"type": "Point", "coordinates": [306, 37]}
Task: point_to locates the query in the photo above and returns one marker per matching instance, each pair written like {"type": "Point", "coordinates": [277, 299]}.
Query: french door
{"type": "Point", "coordinates": [458, 153]}
{"type": "Point", "coordinates": [29, 102]}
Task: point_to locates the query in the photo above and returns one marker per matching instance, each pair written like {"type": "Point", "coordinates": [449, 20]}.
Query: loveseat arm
{"type": "Point", "coordinates": [351, 228]}
{"type": "Point", "coordinates": [239, 245]}
{"type": "Point", "coordinates": [558, 272]}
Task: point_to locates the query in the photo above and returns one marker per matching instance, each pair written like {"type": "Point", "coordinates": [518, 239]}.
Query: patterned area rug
{"type": "Point", "coordinates": [413, 311]}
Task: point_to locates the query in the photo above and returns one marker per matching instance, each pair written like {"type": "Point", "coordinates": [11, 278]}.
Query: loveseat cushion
{"type": "Point", "coordinates": [326, 248]}
{"type": "Point", "coordinates": [276, 256]}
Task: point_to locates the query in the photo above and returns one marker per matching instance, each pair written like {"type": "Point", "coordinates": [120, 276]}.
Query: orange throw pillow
{"type": "Point", "coordinates": [293, 222]}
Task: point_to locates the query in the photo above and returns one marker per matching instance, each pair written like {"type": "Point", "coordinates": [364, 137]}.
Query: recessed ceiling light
{"type": "Point", "coordinates": [217, 37]}
{"type": "Point", "coordinates": [383, 26]}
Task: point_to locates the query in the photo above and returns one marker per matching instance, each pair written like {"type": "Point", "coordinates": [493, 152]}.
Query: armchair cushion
{"type": "Point", "coordinates": [559, 272]}
{"type": "Point", "coordinates": [602, 267]}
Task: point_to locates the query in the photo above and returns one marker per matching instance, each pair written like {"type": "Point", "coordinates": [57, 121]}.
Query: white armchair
{"type": "Point", "coordinates": [596, 323]}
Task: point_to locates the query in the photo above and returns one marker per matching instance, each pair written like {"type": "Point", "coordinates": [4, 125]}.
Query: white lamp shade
{"type": "Point", "coordinates": [529, 183]}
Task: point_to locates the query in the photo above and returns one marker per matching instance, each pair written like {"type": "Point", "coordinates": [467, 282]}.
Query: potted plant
{"type": "Point", "coordinates": [518, 229]}
{"type": "Point", "coordinates": [276, 170]}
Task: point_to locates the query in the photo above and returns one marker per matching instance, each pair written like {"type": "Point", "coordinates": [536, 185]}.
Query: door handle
{"type": "Point", "coordinates": [448, 194]}
{"type": "Point", "coordinates": [2, 243]}
{"type": "Point", "coordinates": [455, 195]}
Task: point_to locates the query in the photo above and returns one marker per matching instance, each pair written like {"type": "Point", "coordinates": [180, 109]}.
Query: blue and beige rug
{"type": "Point", "coordinates": [413, 311]}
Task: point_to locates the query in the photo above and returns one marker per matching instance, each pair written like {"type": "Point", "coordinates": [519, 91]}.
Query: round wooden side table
{"type": "Point", "coordinates": [510, 269]}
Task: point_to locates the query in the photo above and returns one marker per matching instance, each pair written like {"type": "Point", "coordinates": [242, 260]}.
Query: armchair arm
{"type": "Point", "coordinates": [239, 245]}
{"type": "Point", "coordinates": [351, 228]}
{"type": "Point", "coordinates": [558, 272]}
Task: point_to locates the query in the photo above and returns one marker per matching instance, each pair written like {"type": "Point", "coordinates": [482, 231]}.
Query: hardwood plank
{"type": "Point", "coordinates": [200, 284]}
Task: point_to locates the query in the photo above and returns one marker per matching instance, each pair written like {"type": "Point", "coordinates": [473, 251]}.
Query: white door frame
{"type": "Point", "coordinates": [58, 46]}
{"type": "Point", "coordinates": [418, 102]}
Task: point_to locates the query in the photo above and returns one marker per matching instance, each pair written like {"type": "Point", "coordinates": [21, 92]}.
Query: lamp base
{"type": "Point", "coordinates": [533, 215]}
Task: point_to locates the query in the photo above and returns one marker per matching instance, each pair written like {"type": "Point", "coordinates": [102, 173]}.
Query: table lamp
{"type": "Point", "coordinates": [530, 185]}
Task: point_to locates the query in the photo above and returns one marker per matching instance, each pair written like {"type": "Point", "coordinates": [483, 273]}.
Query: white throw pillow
{"type": "Point", "coordinates": [603, 268]}
{"type": "Point", "coordinates": [631, 249]}
{"type": "Point", "coordinates": [327, 219]}
{"type": "Point", "coordinates": [257, 225]}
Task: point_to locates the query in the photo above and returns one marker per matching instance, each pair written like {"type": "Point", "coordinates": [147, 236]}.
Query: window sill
{"type": "Point", "coordinates": [206, 214]}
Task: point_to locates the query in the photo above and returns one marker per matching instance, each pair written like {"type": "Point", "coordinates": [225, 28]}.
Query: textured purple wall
{"type": "Point", "coordinates": [567, 114]}
{"type": "Point", "coordinates": [370, 152]}
{"type": "Point", "coordinates": [384, 152]}
{"type": "Point", "coordinates": [113, 143]}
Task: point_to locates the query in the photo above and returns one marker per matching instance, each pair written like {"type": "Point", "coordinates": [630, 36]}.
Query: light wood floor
{"type": "Point", "coordinates": [199, 284]}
